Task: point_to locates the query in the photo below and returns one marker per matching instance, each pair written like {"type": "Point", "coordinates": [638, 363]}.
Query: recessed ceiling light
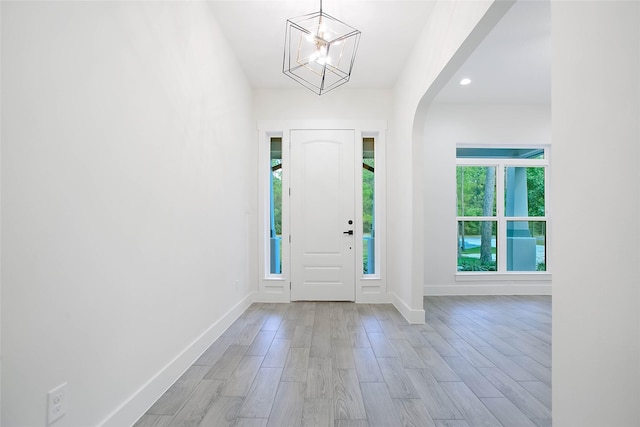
{"type": "Point", "coordinates": [465, 81]}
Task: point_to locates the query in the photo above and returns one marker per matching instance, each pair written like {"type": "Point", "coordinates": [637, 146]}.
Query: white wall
{"type": "Point", "coordinates": [1, 355]}
{"type": "Point", "coordinates": [341, 104]}
{"type": "Point", "coordinates": [365, 111]}
{"type": "Point", "coordinates": [446, 126]}
{"type": "Point", "coordinates": [127, 194]}
{"type": "Point", "coordinates": [596, 202]}
{"type": "Point", "coordinates": [454, 29]}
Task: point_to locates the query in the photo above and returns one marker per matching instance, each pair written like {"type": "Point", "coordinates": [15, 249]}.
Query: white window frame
{"type": "Point", "coordinates": [265, 193]}
{"type": "Point", "coordinates": [501, 236]}
{"type": "Point", "coordinates": [378, 198]}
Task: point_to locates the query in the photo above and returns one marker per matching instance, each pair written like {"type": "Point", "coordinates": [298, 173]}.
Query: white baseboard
{"type": "Point", "coordinates": [134, 407]}
{"type": "Point", "coordinates": [488, 289]}
{"type": "Point", "coordinates": [412, 316]}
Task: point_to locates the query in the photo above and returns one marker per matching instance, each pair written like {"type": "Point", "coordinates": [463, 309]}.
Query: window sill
{"type": "Point", "coordinates": [503, 277]}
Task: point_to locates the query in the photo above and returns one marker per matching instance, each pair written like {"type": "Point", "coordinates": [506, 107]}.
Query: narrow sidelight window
{"type": "Point", "coordinates": [275, 197]}
{"type": "Point", "coordinates": [368, 206]}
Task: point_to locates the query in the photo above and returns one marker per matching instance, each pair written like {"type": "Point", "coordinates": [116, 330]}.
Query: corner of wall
{"type": "Point", "coordinates": [412, 316]}
{"type": "Point", "coordinates": [137, 404]}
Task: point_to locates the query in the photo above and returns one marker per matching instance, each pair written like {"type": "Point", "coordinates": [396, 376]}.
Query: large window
{"type": "Point", "coordinates": [502, 209]}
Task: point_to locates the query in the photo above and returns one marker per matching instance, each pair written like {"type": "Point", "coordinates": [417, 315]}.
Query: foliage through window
{"type": "Point", "coordinates": [501, 209]}
{"type": "Point", "coordinates": [368, 206]}
{"type": "Point", "coordinates": [275, 199]}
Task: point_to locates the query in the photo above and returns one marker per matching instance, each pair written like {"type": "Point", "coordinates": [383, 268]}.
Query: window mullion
{"type": "Point", "coordinates": [501, 253]}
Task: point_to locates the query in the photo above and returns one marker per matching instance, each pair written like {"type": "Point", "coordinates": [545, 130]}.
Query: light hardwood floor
{"type": "Point", "coordinates": [478, 361]}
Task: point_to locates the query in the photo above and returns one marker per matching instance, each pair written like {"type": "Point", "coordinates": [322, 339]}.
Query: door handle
{"type": "Point", "coordinates": [349, 232]}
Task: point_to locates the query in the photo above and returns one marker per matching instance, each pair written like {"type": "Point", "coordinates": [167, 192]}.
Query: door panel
{"type": "Point", "coordinates": [322, 204]}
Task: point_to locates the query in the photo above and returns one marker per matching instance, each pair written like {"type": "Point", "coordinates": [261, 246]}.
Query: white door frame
{"type": "Point", "coordinates": [276, 288]}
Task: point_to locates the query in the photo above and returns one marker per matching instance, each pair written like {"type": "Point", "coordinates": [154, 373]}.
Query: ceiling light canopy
{"type": "Point", "coordinates": [319, 51]}
{"type": "Point", "coordinates": [465, 81]}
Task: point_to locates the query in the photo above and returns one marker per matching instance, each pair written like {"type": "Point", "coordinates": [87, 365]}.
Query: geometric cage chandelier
{"type": "Point", "coordinates": [319, 51]}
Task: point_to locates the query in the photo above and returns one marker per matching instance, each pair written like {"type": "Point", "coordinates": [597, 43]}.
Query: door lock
{"type": "Point", "coordinates": [349, 232]}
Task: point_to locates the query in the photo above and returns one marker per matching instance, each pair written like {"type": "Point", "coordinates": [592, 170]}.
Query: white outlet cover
{"type": "Point", "coordinates": [56, 403]}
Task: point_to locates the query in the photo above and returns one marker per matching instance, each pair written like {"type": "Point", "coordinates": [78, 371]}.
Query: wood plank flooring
{"type": "Point", "coordinates": [478, 361]}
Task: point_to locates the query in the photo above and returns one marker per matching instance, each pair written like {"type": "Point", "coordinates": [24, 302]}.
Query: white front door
{"type": "Point", "coordinates": [322, 215]}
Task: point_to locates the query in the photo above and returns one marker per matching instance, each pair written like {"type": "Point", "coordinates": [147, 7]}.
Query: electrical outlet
{"type": "Point", "coordinates": [57, 403]}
